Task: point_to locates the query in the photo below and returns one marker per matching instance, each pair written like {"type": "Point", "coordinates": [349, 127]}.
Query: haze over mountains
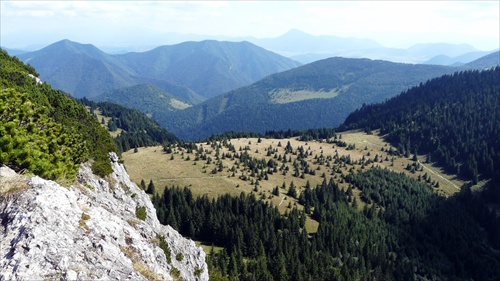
{"type": "Point", "coordinates": [307, 48]}
{"type": "Point", "coordinates": [192, 71]}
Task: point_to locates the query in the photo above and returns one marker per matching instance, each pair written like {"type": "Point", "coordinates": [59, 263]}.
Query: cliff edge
{"type": "Point", "coordinates": [95, 229]}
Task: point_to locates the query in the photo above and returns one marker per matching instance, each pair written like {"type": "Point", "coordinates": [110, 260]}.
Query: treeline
{"type": "Point", "coordinates": [407, 232]}
{"type": "Point", "coordinates": [453, 119]}
{"type": "Point", "coordinates": [304, 135]}
{"type": "Point", "coordinates": [43, 130]}
{"type": "Point", "coordinates": [138, 129]}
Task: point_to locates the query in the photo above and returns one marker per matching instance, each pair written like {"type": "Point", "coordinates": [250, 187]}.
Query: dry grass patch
{"type": "Point", "coordinates": [177, 104]}
{"type": "Point", "coordinates": [287, 95]}
{"type": "Point", "coordinates": [106, 119]}
{"type": "Point", "coordinates": [12, 183]}
{"type": "Point", "coordinates": [139, 266]}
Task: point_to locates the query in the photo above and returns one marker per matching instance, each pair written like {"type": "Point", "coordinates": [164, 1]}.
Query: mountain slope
{"type": "Point", "coordinates": [43, 130]}
{"type": "Point", "coordinates": [487, 61]}
{"type": "Point", "coordinates": [320, 94]}
{"type": "Point", "coordinates": [298, 42]}
{"type": "Point", "coordinates": [453, 119]}
{"type": "Point", "coordinates": [208, 67]}
{"type": "Point", "coordinates": [145, 97]}
{"type": "Point", "coordinates": [99, 225]}
{"type": "Point", "coordinates": [130, 127]}
{"type": "Point", "coordinates": [307, 48]}
{"type": "Point", "coordinates": [82, 70]}
{"type": "Point", "coordinates": [456, 61]}
{"type": "Point", "coordinates": [185, 70]}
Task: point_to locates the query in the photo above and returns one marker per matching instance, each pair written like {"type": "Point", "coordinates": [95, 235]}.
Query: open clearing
{"type": "Point", "coordinates": [221, 172]}
{"type": "Point", "coordinates": [288, 95]}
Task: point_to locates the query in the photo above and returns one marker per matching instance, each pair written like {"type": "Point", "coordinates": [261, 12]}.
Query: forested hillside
{"type": "Point", "coordinates": [144, 97]}
{"type": "Point", "coordinates": [453, 119]}
{"type": "Point", "coordinates": [407, 232]}
{"type": "Point", "coordinates": [320, 94]}
{"type": "Point", "coordinates": [137, 130]}
{"type": "Point", "coordinates": [487, 61]}
{"type": "Point", "coordinates": [44, 131]}
{"type": "Point", "coordinates": [148, 98]}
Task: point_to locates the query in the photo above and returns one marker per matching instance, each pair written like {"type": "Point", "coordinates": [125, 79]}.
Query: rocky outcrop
{"type": "Point", "coordinates": [95, 229]}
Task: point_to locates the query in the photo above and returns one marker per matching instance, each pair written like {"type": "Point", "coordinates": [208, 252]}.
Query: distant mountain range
{"type": "Point", "coordinates": [307, 48]}
{"type": "Point", "coordinates": [458, 60]}
{"type": "Point", "coordinates": [210, 67]}
{"type": "Point", "coordinates": [316, 95]}
{"type": "Point", "coordinates": [191, 71]}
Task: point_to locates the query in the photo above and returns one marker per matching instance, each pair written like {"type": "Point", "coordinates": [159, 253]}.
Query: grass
{"type": "Point", "coordinates": [140, 267]}
{"type": "Point", "coordinates": [151, 163]}
{"type": "Point", "coordinates": [287, 95]}
{"type": "Point", "coordinates": [12, 184]}
{"type": "Point", "coordinates": [207, 248]}
{"type": "Point", "coordinates": [166, 249]}
{"type": "Point", "coordinates": [140, 213]}
{"type": "Point", "coordinates": [100, 117]}
{"type": "Point", "coordinates": [82, 222]}
{"type": "Point", "coordinates": [177, 104]}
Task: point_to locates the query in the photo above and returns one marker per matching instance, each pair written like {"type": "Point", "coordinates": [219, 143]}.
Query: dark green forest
{"type": "Point", "coordinates": [138, 129]}
{"type": "Point", "coordinates": [45, 131]}
{"type": "Point", "coordinates": [453, 119]}
{"type": "Point", "coordinates": [408, 233]}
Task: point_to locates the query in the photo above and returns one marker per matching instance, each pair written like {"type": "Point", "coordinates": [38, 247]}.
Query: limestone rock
{"type": "Point", "coordinates": [88, 231]}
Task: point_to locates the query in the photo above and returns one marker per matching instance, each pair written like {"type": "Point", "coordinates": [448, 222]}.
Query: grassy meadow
{"type": "Point", "coordinates": [224, 173]}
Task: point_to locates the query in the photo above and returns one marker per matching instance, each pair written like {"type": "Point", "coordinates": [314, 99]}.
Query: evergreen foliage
{"type": "Point", "coordinates": [409, 233]}
{"type": "Point", "coordinates": [453, 119]}
{"type": "Point", "coordinates": [45, 131]}
{"type": "Point", "coordinates": [138, 129]}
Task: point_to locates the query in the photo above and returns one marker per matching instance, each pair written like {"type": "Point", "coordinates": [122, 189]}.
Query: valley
{"type": "Point", "coordinates": [331, 190]}
{"type": "Point", "coordinates": [249, 141]}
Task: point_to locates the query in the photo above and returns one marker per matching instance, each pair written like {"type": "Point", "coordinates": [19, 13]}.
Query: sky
{"type": "Point", "coordinates": [398, 24]}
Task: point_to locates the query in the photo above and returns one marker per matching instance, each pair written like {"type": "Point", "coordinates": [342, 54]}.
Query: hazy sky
{"type": "Point", "coordinates": [131, 23]}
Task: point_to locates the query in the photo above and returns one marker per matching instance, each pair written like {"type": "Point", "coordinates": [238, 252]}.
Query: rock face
{"type": "Point", "coordinates": [95, 229]}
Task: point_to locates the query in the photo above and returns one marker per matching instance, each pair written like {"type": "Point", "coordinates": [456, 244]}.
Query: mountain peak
{"type": "Point", "coordinates": [75, 47]}
{"type": "Point", "coordinates": [295, 33]}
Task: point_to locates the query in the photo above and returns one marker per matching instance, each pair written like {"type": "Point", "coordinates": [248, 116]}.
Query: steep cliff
{"type": "Point", "coordinates": [95, 229]}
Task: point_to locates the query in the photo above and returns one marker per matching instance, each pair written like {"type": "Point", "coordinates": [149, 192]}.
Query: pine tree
{"type": "Point", "coordinates": [151, 187]}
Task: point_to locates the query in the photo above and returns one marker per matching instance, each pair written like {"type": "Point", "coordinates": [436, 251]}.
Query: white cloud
{"type": "Point", "coordinates": [392, 23]}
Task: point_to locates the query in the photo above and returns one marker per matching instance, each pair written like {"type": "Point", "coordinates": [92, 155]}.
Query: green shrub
{"type": "Point", "coordinates": [102, 167]}
{"type": "Point", "coordinates": [45, 131]}
{"type": "Point", "coordinates": [166, 249]}
{"type": "Point", "coordinates": [175, 273]}
{"type": "Point", "coordinates": [179, 257]}
{"type": "Point", "coordinates": [140, 213]}
{"type": "Point", "coordinates": [197, 272]}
